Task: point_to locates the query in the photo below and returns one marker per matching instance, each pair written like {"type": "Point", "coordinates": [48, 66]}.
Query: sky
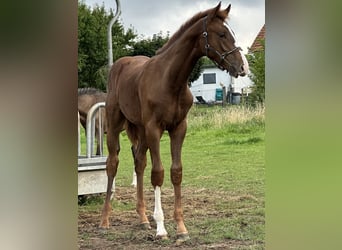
{"type": "Point", "coordinates": [149, 17]}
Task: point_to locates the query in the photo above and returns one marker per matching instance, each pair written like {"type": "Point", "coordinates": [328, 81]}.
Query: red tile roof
{"type": "Point", "coordinates": [256, 45]}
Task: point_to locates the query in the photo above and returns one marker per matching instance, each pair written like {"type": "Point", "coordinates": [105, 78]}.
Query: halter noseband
{"type": "Point", "coordinates": [208, 47]}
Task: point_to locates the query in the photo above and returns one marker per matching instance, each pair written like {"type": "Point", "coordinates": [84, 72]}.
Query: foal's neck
{"type": "Point", "coordinates": [182, 56]}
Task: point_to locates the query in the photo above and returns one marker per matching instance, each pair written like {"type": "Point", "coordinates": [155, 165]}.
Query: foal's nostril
{"type": "Point", "coordinates": [244, 69]}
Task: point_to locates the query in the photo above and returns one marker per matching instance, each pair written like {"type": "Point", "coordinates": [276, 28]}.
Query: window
{"type": "Point", "coordinates": [209, 78]}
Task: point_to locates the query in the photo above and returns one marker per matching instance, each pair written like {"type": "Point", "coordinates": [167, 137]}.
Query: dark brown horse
{"type": "Point", "coordinates": [87, 97]}
{"type": "Point", "coordinates": [151, 95]}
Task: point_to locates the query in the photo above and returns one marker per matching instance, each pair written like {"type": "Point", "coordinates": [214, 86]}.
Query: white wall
{"type": "Point", "coordinates": [240, 83]}
{"type": "Point", "coordinates": [208, 91]}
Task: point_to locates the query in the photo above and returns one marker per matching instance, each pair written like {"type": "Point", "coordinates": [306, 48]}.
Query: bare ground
{"type": "Point", "coordinates": [125, 232]}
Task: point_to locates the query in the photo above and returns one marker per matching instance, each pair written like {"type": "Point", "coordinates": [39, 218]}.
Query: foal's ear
{"type": "Point", "coordinates": [228, 9]}
{"type": "Point", "coordinates": [215, 11]}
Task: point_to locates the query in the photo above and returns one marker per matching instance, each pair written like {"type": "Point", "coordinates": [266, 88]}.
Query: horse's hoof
{"type": "Point", "coordinates": [181, 238]}
{"type": "Point", "coordinates": [145, 226]}
{"type": "Point", "coordinates": [103, 230]}
{"type": "Point", "coordinates": [104, 225]}
{"type": "Point", "coordinates": [162, 237]}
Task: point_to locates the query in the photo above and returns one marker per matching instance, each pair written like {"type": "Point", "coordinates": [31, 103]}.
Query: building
{"type": "Point", "coordinates": [208, 87]}
{"type": "Point", "coordinates": [256, 45]}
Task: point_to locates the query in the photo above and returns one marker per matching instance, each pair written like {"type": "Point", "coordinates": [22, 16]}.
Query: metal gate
{"type": "Point", "coordinates": [92, 177]}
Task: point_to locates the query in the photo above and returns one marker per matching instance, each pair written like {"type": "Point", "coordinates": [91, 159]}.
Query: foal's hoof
{"type": "Point", "coordinates": [103, 230]}
{"type": "Point", "coordinates": [162, 237]}
{"type": "Point", "coordinates": [181, 238]}
{"type": "Point", "coordinates": [104, 225]}
{"type": "Point", "coordinates": [145, 226]}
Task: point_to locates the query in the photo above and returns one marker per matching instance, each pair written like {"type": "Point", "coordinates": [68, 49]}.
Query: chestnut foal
{"type": "Point", "coordinates": [150, 95]}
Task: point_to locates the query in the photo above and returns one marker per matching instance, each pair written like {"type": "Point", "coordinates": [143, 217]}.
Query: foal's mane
{"type": "Point", "coordinates": [220, 14]}
{"type": "Point", "coordinates": [89, 91]}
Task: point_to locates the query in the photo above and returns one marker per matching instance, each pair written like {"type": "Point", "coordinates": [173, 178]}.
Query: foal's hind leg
{"type": "Point", "coordinates": [134, 179]}
{"type": "Point", "coordinates": [111, 168]}
{"type": "Point", "coordinates": [139, 149]}
{"type": "Point", "coordinates": [140, 165]}
{"type": "Point", "coordinates": [98, 150]}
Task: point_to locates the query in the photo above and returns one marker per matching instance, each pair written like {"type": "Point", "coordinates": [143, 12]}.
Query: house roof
{"type": "Point", "coordinates": [256, 45]}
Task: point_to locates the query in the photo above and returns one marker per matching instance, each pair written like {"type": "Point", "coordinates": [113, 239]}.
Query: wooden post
{"type": "Point", "coordinates": [224, 96]}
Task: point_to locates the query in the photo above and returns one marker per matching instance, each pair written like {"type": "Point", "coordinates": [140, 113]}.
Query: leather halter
{"type": "Point", "coordinates": [208, 47]}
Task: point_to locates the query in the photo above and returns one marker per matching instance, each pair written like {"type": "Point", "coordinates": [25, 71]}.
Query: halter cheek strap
{"type": "Point", "coordinates": [208, 47]}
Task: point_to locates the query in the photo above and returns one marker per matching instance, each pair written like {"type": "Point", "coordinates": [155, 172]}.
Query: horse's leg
{"type": "Point", "coordinates": [99, 132]}
{"type": "Point", "coordinates": [139, 148]}
{"type": "Point", "coordinates": [153, 135]}
{"type": "Point", "coordinates": [140, 165]}
{"type": "Point", "coordinates": [177, 137]}
{"type": "Point", "coordinates": [111, 167]}
{"type": "Point", "coordinates": [97, 142]}
{"type": "Point", "coordinates": [134, 179]}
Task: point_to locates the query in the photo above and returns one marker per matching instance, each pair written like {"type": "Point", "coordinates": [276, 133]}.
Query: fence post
{"type": "Point", "coordinates": [224, 96]}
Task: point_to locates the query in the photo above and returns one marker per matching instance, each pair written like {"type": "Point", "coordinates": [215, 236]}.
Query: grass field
{"type": "Point", "coordinates": [223, 187]}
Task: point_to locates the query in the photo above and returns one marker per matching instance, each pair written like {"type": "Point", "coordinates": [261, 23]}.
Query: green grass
{"type": "Point", "coordinates": [223, 176]}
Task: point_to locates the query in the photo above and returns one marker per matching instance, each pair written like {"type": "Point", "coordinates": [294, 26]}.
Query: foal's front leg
{"type": "Point", "coordinates": [177, 136]}
{"type": "Point", "coordinates": [153, 135]}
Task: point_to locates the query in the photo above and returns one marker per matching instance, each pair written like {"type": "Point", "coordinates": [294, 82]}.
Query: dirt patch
{"type": "Point", "coordinates": [125, 232]}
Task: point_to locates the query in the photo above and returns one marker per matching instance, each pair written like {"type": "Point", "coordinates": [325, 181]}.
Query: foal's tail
{"type": "Point", "coordinates": [113, 76]}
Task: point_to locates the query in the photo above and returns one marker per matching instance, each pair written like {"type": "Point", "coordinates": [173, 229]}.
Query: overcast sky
{"type": "Point", "coordinates": [149, 17]}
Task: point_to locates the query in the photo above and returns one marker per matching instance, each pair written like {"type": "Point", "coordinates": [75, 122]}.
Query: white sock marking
{"type": "Point", "coordinates": [158, 214]}
{"type": "Point", "coordinates": [113, 190]}
{"type": "Point", "coordinates": [134, 180]}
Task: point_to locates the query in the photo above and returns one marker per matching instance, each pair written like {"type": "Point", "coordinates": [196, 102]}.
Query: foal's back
{"type": "Point", "coordinates": [125, 81]}
{"type": "Point", "coordinates": [138, 88]}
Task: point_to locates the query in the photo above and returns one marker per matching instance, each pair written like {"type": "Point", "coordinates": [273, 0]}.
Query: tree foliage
{"type": "Point", "coordinates": [93, 47]}
{"type": "Point", "coordinates": [92, 44]}
{"type": "Point", "coordinates": [197, 70]}
{"type": "Point", "coordinates": [257, 67]}
{"type": "Point", "coordinates": [149, 46]}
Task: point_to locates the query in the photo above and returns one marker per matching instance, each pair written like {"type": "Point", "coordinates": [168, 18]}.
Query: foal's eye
{"type": "Point", "coordinates": [222, 34]}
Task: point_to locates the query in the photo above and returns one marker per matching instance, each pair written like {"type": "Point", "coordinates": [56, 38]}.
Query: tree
{"type": "Point", "coordinates": [93, 48]}
{"type": "Point", "coordinates": [197, 70]}
{"type": "Point", "coordinates": [149, 46]}
{"type": "Point", "coordinates": [92, 44]}
{"type": "Point", "coordinates": [257, 67]}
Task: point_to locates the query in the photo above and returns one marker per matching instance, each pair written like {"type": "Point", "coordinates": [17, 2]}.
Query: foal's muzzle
{"type": "Point", "coordinates": [239, 70]}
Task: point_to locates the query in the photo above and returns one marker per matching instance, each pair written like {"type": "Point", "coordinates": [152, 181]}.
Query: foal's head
{"type": "Point", "coordinates": [218, 43]}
